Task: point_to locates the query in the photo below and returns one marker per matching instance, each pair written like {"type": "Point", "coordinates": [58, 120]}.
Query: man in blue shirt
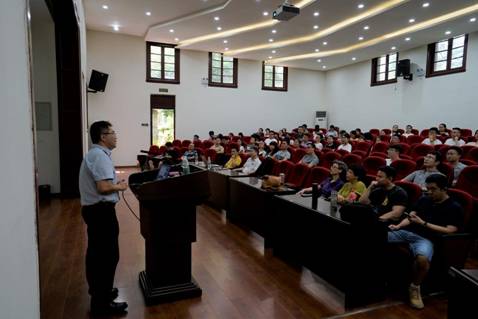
{"type": "Point", "coordinates": [99, 193]}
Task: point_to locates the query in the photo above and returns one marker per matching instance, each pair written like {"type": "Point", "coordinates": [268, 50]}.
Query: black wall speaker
{"type": "Point", "coordinates": [98, 81]}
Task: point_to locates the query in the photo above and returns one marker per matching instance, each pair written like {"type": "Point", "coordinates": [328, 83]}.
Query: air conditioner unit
{"type": "Point", "coordinates": [321, 119]}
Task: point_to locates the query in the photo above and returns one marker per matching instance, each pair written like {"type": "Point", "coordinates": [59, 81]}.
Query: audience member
{"type": "Point", "coordinates": [395, 130]}
{"type": "Point", "coordinates": [345, 145]}
{"type": "Point", "coordinates": [252, 163]}
{"type": "Point", "coordinates": [453, 156]}
{"type": "Point", "coordinates": [455, 138]}
{"type": "Point", "coordinates": [318, 144]}
{"type": "Point", "coordinates": [217, 146]}
{"type": "Point", "coordinates": [191, 154]}
{"type": "Point", "coordinates": [235, 160]}
{"type": "Point", "coordinates": [261, 147]}
{"type": "Point", "coordinates": [331, 132]}
{"type": "Point", "coordinates": [393, 152]}
{"type": "Point", "coordinates": [283, 154]}
{"type": "Point", "coordinates": [241, 149]}
{"type": "Point", "coordinates": [408, 131]}
{"type": "Point", "coordinates": [354, 188]}
{"type": "Point", "coordinates": [196, 138]}
{"type": "Point", "coordinates": [475, 143]}
{"type": "Point", "coordinates": [432, 137]}
{"type": "Point", "coordinates": [310, 159]}
{"type": "Point", "coordinates": [430, 163]}
{"type": "Point", "coordinates": [395, 139]}
{"type": "Point", "coordinates": [442, 129]}
{"type": "Point", "coordinates": [338, 170]}
{"type": "Point", "coordinates": [212, 137]}
{"type": "Point", "coordinates": [330, 143]}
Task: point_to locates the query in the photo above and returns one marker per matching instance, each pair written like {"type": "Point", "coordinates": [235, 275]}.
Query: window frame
{"type": "Point", "coordinates": [235, 67]}
{"type": "Point", "coordinates": [177, 60]}
{"type": "Point", "coordinates": [374, 81]}
{"type": "Point", "coordinates": [285, 79]}
{"type": "Point", "coordinates": [431, 58]}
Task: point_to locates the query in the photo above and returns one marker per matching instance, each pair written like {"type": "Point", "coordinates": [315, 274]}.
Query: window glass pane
{"type": "Point", "coordinates": [457, 53]}
{"type": "Point", "coordinates": [216, 78]}
{"type": "Point", "coordinates": [169, 51]}
{"type": "Point", "coordinates": [169, 75]}
{"type": "Point", "coordinates": [440, 46]}
{"type": "Point", "coordinates": [227, 65]}
{"type": "Point", "coordinates": [391, 75]}
{"type": "Point", "coordinates": [168, 67]}
{"type": "Point", "coordinates": [279, 84]}
{"type": "Point", "coordinates": [268, 68]}
{"type": "Point", "coordinates": [439, 66]}
{"type": "Point", "coordinates": [392, 58]}
{"type": "Point", "coordinates": [216, 56]}
{"type": "Point", "coordinates": [392, 66]}
{"type": "Point", "coordinates": [155, 49]}
{"type": "Point", "coordinates": [279, 77]}
{"type": "Point", "coordinates": [459, 41]}
{"type": "Point", "coordinates": [456, 63]}
{"type": "Point", "coordinates": [382, 60]}
{"type": "Point", "coordinates": [279, 69]}
{"type": "Point", "coordinates": [216, 64]}
{"type": "Point", "coordinates": [228, 58]}
{"type": "Point", "coordinates": [168, 59]}
{"type": "Point", "coordinates": [381, 68]}
{"type": "Point", "coordinates": [227, 72]}
{"type": "Point", "coordinates": [156, 57]}
{"type": "Point", "coordinates": [441, 56]}
{"type": "Point", "coordinates": [381, 77]}
{"type": "Point", "coordinates": [268, 83]}
{"type": "Point", "coordinates": [216, 71]}
{"type": "Point", "coordinates": [155, 66]}
{"type": "Point", "coordinates": [227, 79]}
{"type": "Point", "coordinates": [156, 74]}
{"type": "Point", "coordinates": [268, 76]}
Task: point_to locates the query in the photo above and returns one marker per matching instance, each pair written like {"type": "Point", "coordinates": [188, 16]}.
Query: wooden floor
{"type": "Point", "coordinates": [238, 279]}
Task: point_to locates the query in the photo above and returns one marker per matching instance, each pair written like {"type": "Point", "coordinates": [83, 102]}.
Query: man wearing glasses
{"type": "Point", "coordinates": [99, 193]}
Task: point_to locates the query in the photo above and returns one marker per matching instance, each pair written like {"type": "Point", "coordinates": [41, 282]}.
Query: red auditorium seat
{"type": "Point", "coordinates": [407, 157]}
{"type": "Point", "coordinates": [182, 150]}
{"type": "Point", "coordinates": [244, 158]}
{"type": "Point", "coordinates": [207, 144]}
{"type": "Point", "coordinates": [343, 152]}
{"type": "Point", "coordinates": [297, 176]}
{"type": "Point", "coordinates": [364, 146]}
{"type": "Point", "coordinates": [185, 143]}
{"type": "Point", "coordinates": [360, 153]}
{"type": "Point", "coordinates": [286, 168]}
{"type": "Point", "coordinates": [154, 150]}
{"type": "Point", "coordinates": [371, 164]}
{"type": "Point", "coordinates": [421, 150]}
{"type": "Point", "coordinates": [401, 130]}
{"type": "Point", "coordinates": [369, 178]}
{"type": "Point", "coordinates": [467, 180]}
{"type": "Point", "coordinates": [374, 131]}
{"type": "Point", "coordinates": [211, 154]}
{"type": "Point", "coordinates": [413, 190]}
{"type": "Point", "coordinates": [317, 175]}
{"type": "Point", "coordinates": [328, 158]}
{"type": "Point", "coordinates": [415, 131]}
{"type": "Point", "coordinates": [468, 162]}
{"type": "Point", "coordinates": [387, 131]}
{"type": "Point", "coordinates": [442, 149]}
{"type": "Point", "coordinates": [296, 155]}
{"type": "Point", "coordinates": [470, 139]}
{"type": "Point", "coordinates": [465, 132]}
{"type": "Point", "coordinates": [403, 168]}
{"type": "Point", "coordinates": [381, 147]}
{"type": "Point", "coordinates": [414, 139]}
{"type": "Point", "coordinates": [177, 143]}
{"type": "Point", "coordinates": [424, 133]}
{"type": "Point", "coordinates": [379, 154]}
{"type": "Point", "coordinates": [466, 149]}
{"type": "Point", "coordinates": [352, 159]}
{"type": "Point", "coordinates": [472, 154]}
{"type": "Point", "coordinates": [198, 144]}
{"type": "Point", "coordinates": [246, 139]}
{"type": "Point", "coordinates": [466, 202]}
{"type": "Point", "coordinates": [405, 148]}
{"type": "Point", "coordinates": [447, 170]}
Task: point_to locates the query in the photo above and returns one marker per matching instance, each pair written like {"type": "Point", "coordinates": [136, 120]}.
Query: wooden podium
{"type": "Point", "coordinates": [168, 225]}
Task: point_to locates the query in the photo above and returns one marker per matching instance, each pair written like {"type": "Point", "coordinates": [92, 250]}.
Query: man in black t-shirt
{"type": "Point", "coordinates": [433, 215]}
{"type": "Point", "coordinates": [387, 199]}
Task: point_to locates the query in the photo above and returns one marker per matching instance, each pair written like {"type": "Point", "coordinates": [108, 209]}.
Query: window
{"type": "Point", "coordinates": [274, 77]}
{"type": "Point", "coordinates": [162, 63]}
{"type": "Point", "coordinates": [384, 69]}
{"type": "Point", "coordinates": [222, 70]}
{"type": "Point", "coordinates": [447, 56]}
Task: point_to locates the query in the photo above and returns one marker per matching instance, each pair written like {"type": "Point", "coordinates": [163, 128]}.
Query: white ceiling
{"type": "Point", "coordinates": [193, 18]}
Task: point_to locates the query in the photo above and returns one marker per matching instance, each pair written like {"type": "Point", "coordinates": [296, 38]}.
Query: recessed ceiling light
{"type": "Point", "coordinates": [317, 50]}
{"type": "Point", "coordinates": [148, 13]}
{"type": "Point", "coordinates": [426, 5]}
{"type": "Point", "coordinates": [411, 20]}
{"type": "Point", "coordinates": [447, 32]}
{"type": "Point", "coordinates": [171, 30]}
{"type": "Point", "coordinates": [316, 14]}
{"type": "Point", "coordinates": [316, 27]}
{"type": "Point", "coordinates": [265, 13]}
{"type": "Point", "coordinates": [361, 6]}
{"type": "Point", "coordinates": [216, 18]}
{"type": "Point", "coordinates": [393, 48]}
{"type": "Point", "coordinates": [354, 58]}
{"type": "Point", "coordinates": [271, 40]}
{"type": "Point", "coordinates": [116, 27]}
{"type": "Point", "coordinates": [366, 27]}
{"type": "Point", "coordinates": [219, 28]}
{"type": "Point", "coordinates": [324, 43]}
{"type": "Point", "coordinates": [274, 31]}
{"type": "Point", "coordinates": [105, 7]}
{"type": "Point", "coordinates": [319, 60]}
{"type": "Point", "coordinates": [472, 19]}
{"type": "Point", "coordinates": [269, 57]}
{"type": "Point", "coordinates": [324, 67]}
{"type": "Point", "coordinates": [407, 39]}
{"type": "Point", "coordinates": [360, 38]}
{"type": "Point", "coordinates": [273, 51]}
{"type": "Point", "coordinates": [225, 41]}
{"type": "Point", "coordinates": [176, 39]}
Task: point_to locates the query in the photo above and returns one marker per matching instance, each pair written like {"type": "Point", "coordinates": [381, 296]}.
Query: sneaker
{"type": "Point", "coordinates": [415, 297]}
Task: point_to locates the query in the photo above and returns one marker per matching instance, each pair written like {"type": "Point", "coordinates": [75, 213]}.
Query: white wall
{"type": "Point", "coordinates": [19, 278]}
{"type": "Point", "coordinates": [45, 88]}
{"type": "Point", "coordinates": [424, 102]}
{"type": "Point", "coordinates": [199, 108]}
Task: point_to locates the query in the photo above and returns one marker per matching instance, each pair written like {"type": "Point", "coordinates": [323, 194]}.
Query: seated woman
{"type": "Point", "coordinates": [332, 183]}
{"type": "Point", "coordinates": [241, 149]}
{"type": "Point", "coordinates": [235, 160]}
{"type": "Point", "coordinates": [354, 188]}
{"type": "Point", "coordinates": [475, 143]}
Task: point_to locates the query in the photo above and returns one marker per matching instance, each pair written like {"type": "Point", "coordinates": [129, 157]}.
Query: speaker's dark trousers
{"type": "Point", "coordinates": [102, 254]}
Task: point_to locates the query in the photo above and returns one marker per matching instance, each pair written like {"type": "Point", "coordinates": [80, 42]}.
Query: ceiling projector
{"type": "Point", "coordinates": [285, 12]}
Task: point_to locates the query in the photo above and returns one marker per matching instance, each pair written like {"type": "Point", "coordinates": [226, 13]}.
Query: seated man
{"type": "Point", "coordinates": [235, 160]}
{"type": "Point", "coordinates": [217, 146]}
{"type": "Point", "coordinates": [310, 159]}
{"type": "Point", "coordinates": [252, 143]}
{"type": "Point", "coordinates": [344, 143]}
{"type": "Point", "coordinates": [252, 163]}
{"type": "Point", "coordinates": [455, 139]}
{"type": "Point", "coordinates": [408, 131]}
{"type": "Point", "coordinates": [453, 156]}
{"type": "Point", "coordinates": [282, 154]}
{"type": "Point", "coordinates": [393, 152]}
{"type": "Point", "coordinates": [430, 163]}
{"type": "Point", "coordinates": [442, 130]}
{"type": "Point", "coordinates": [196, 138]}
{"type": "Point", "coordinates": [433, 215]}
{"type": "Point", "coordinates": [387, 199]}
{"type": "Point", "coordinates": [191, 154]}
{"type": "Point", "coordinates": [432, 137]}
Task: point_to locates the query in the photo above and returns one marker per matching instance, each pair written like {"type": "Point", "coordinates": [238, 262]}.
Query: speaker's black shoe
{"type": "Point", "coordinates": [114, 294]}
{"type": "Point", "coordinates": [111, 308]}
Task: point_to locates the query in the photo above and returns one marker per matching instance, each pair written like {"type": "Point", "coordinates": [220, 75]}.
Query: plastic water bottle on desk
{"type": "Point", "coordinates": [208, 163]}
{"type": "Point", "coordinates": [333, 201]}
{"type": "Point", "coordinates": [196, 160]}
{"type": "Point", "coordinates": [185, 165]}
{"type": "Point", "coordinates": [282, 179]}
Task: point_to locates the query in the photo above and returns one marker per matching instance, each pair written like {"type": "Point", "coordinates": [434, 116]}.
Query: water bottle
{"type": "Point", "coordinates": [333, 200]}
{"type": "Point", "coordinates": [315, 195]}
{"type": "Point", "coordinates": [282, 178]}
{"type": "Point", "coordinates": [208, 162]}
{"type": "Point", "coordinates": [185, 165]}
{"type": "Point", "coordinates": [196, 160]}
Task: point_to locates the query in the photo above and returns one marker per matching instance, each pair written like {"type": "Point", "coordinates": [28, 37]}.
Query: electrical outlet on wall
{"type": "Point", "coordinates": [204, 81]}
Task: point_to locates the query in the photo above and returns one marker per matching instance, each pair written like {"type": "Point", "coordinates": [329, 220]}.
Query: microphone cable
{"type": "Point", "coordinates": [129, 207]}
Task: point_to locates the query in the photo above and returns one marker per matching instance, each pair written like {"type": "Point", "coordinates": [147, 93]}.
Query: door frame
{"type": "Point", "coordinates": [151, 107]}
